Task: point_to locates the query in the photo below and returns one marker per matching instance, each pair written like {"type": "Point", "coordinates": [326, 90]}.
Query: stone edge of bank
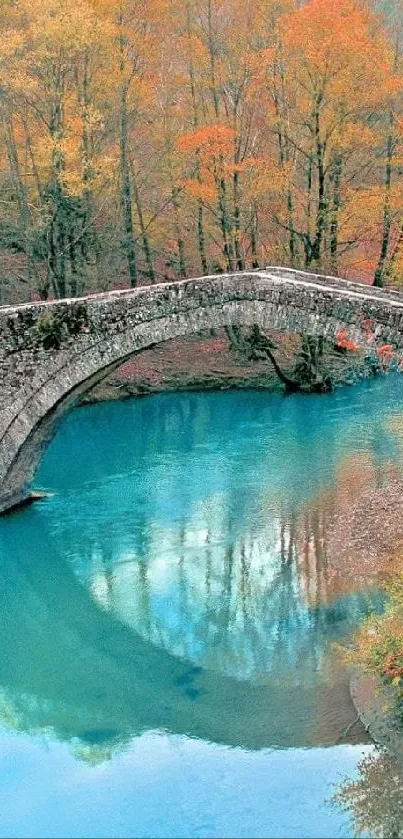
{"type": "Point", "coordinates": [373, 703]}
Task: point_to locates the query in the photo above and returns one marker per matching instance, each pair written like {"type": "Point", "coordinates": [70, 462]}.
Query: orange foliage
{"type": "Point", "coordinates": [196, 136]}
{"type": "Point", "coordinates": [346, 343]}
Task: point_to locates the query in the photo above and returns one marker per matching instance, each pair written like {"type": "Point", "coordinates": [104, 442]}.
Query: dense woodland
{"type": "Point", "coordinates": [149, 140]}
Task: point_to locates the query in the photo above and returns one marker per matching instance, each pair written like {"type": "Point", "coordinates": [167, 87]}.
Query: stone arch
{"type": "Point", "coordinates": [41, 384]}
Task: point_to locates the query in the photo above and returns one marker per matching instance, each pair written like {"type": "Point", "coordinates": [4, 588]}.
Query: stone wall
{"type": "Point", "coordinates": [50, 353]}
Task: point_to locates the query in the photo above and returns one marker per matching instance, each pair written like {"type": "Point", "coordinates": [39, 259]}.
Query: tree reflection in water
{"type": "Point", "coordinates": [185, 576]}
{"type": "Point", "coordinates": [375, 800]}
{"type": "Point", "coordinates": [248, 606]}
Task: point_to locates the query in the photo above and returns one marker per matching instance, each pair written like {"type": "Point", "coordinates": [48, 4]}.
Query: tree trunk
{"type": "Point", "coordinates": [219, 169]}
{"type": "Point", "coordinates": [129, 246]}
{"type": "Point", "coordinates": [143, 230]}
{"type": "Point", "coordinates": [237, 225]}
{"type": "Point", "coordinates": [380, 270]}
{"type": "Point", "coordinates": [125, 192]}
{"type": "Point", "coordinates": [321, 210]}
{"type": "Point", "coordinates": [25, 213]}
{"type": "Point", "coordinates": [254, 238]}
{"type": "Point", "coordinates": [201, 238]}
{"type": "Point", "coordinates": [334, 214]}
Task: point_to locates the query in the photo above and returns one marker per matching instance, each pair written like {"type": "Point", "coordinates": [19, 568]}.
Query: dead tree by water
{"type": "Point", "coordinates": [308, 375]}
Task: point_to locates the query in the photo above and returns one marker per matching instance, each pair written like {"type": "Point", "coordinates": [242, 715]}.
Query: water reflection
{"type": "Point", "coordinates": [185, 576]}
{"type": "Point", "coordinates": [375, 798]}
{"type": "Point", "coordinates": [174, 606]}
{"type": "Point", "coordinates": [229, 659]}
{"type": "Point", "coordinates": [251, 607]}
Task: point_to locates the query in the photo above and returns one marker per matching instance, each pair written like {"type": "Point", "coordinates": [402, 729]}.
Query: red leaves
{"type": "Point", "coordinates": [385, 352]}
{"type": "Point", "coordinates": [346, 343]}
{"type": "Point", "coordinates": [391, 669]}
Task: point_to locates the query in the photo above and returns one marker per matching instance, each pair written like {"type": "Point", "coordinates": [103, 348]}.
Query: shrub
{"type": "Point", "coordinates": [378, 646]}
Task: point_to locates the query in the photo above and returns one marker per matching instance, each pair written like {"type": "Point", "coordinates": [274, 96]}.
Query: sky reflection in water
{"type": "Point", "coordinates": [168, 616]}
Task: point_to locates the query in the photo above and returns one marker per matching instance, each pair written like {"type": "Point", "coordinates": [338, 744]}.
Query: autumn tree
{"type": "Point", "coordinates": [146, 141]}
{"type": "Point", "coordinates": [328, 77]}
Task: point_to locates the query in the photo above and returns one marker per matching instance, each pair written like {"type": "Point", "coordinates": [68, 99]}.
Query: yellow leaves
{"type": "Point", "coordinates": [242, 167]}
{"type": "Point", "coordinates": [352, 136]}
{"type": "Point", "coordinates": [192, 49]}
{"type": "Point", "coordinates": [11, 43]}
{"type": "Point", "coordinates": [270, 179]}
{"type": "Point", "coordinates": [206, 193]}
{"type": "Point", "coordinates": [331, 47]}
{"type": "Point", "coordinates": [379, 643]}
{"type": "Point", "coordinates": [94, 120]}
{"type": "Point", "coordinates": [202, 109]}
{"type": "Point", "coordinates": [53, 24]}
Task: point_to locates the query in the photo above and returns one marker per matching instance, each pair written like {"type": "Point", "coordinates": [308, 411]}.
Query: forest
{"type": "Point", "coordinates": [145, 141]}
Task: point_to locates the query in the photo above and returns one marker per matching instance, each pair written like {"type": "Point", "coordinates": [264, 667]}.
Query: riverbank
{"type": "Point", "coordinates": [368, 536]}
{"type": "Point", "coordinates": [374, 706]}
{"type": "Point", "coordinates": [208, 362]}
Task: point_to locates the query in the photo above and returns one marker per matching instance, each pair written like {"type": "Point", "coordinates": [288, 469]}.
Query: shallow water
{"type": "Point", "coordinates": [169, 616]}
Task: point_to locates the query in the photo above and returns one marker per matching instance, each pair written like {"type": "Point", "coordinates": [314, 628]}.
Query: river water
{"type": "Point", "coordinates": [170, 616]}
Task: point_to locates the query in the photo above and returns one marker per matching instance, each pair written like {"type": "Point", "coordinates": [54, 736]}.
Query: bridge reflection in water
{"type": "Point", "coordinates": [195, 589]}
{"type": "Point", "coordinates": [146, 660]}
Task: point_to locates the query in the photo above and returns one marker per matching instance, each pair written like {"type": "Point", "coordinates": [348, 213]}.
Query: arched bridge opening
{"type": "Point", "coordinates": [51, 353]}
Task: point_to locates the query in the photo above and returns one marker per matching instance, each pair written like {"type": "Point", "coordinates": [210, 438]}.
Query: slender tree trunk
{"type": "Point", "coordinates": [58, 233]}
{"type": "Point", "coordinates": [35, 171]}
{"type": "Point", "coordinates": [212, 52]}
{"type": "Point", "coordinates": [201, 237]}
{"type": "Point", "coordinates": [179, 238]}
{"type": "Point", "coordinates": [25, 213]}
{"type": "Point", "coordinates": [73, 265]}
{"type": "Point", "coordinates": [89, 241]}
{"type": "Point", "coordinates": [237, 225]}
{"type": "Point", "coordinates": [219, 169]}
{"type": "Point", "coordinates": [126, 196]}
{"type": "Point", "coordinates": [380, 270]}
{"type": "Point", "coordinates": [61, 242]}
{"type": "Point", "coordinates": [143, 230]}
{"type": "Point", "coordinates": [254, 237]}
{"type": "Point", "coordinates": [284, 158]}
{"type": "Point", "coordinates": [334, 213]}
{"type": "Point", "coordinates": [307, 236]}
{"type": "Point", "coordinates": [223, 215]}
{"type": "Point", "coordinates": [129, 246]}
{"type": "Point", "coordinates": [292, 240]}
{"type": "Point", "coordinates": [322, 203]}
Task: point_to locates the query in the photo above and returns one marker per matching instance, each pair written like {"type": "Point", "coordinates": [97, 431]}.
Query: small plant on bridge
{"type": "Point", "coordinates": [50, 330]}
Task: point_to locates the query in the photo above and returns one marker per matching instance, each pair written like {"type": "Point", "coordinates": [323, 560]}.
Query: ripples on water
{"type": "Point", "coordinates": [168, 616]}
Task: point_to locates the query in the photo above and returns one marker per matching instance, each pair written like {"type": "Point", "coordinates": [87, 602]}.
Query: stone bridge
{"type": "Point", "coordinates": [50, 353]}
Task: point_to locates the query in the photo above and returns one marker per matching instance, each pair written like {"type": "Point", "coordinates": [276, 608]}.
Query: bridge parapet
{"type": "Point", "coordinates": [51, 352]}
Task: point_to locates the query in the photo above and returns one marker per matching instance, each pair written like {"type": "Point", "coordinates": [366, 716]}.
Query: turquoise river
{"type": "Point", "coordinates": [170, 616]}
